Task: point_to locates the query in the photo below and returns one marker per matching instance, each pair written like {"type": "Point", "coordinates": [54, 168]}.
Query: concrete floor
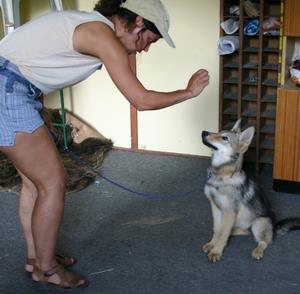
{"type": "Point", "coordinates": [150, 243]}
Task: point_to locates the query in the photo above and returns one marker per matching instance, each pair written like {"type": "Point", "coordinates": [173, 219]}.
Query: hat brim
{"type": "Point", "coordinates": [167, 38]}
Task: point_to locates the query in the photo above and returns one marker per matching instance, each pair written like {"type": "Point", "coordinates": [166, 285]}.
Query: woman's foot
{"type": "Point", "coordinates": [59, 276]}
{"type": "Point", "coordinates": [65, 261]}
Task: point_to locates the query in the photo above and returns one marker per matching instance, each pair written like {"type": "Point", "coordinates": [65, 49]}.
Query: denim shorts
{"type": "Point", "coordinates": [19, 104]}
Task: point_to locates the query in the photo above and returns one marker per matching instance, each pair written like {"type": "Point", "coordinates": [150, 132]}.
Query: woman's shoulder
{"type": "Point", "coordinates": [71, 16]}
{"type": "Point", "coordinates": [85, 16]}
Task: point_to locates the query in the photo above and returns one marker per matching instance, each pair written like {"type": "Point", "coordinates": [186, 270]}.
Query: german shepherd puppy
{"type": "Point", "coordinates": [237, 204]}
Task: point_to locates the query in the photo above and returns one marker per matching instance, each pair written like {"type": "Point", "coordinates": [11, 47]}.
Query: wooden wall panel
{"type": "Point", "coordinates": [291, 18]}
{"type": "Point", "coordinates": [287, 139]}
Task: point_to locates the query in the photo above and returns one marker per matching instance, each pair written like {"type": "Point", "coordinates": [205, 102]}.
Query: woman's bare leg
{"type": "Point", "coordinates": [36, 157]}
{"type": "Point", "coordinates": [28, 195]}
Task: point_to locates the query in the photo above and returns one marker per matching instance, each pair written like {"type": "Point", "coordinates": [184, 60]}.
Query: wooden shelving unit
{"type": "Point", "coordinates": [249, 78]}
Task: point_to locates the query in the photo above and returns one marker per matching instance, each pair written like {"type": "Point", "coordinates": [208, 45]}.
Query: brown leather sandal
{"type": "Point", "coordinates": [68, 279]}
{"type": "Point", "coordinates": [65, 261]}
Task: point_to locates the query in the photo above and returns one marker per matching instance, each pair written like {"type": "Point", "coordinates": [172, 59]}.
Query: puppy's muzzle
{"type": "Point", "coordinates": [205, 141]}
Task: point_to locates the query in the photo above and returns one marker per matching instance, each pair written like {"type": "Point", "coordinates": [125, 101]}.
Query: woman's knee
{"type": "Point", "coordinates": [28, 188]}
{"type": "Point", "coordinates": [53, 185]}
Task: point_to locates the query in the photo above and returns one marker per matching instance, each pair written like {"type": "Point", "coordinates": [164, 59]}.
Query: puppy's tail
{"type": "Point", "coordinates": [287, 224]}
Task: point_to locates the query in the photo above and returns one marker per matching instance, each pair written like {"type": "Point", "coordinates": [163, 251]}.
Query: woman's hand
{"type": "Point", "coordinates": [198, 81]}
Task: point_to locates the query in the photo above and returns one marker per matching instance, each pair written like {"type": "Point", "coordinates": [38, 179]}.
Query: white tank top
{"type": "Point", "coordinates": [43, 50]}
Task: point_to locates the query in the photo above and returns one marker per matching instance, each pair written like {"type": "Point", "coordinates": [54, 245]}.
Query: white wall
{"type": "Point", "coordinates": [195, 30]}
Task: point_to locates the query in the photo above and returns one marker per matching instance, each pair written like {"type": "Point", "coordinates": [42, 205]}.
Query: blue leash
{"type": "Point", "coordinates": [152, 196]}
{"type": "Point", "coordinates": [158, 197]}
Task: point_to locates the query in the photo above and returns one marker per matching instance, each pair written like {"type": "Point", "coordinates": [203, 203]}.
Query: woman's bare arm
{"type": "Point", "coordinates": [97, 39]}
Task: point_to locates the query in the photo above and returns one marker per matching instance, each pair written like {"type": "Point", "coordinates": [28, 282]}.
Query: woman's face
{"type": "Point", "coordinates": [139, 41]}
{"type": "Point", "coordinates": [145, 39]}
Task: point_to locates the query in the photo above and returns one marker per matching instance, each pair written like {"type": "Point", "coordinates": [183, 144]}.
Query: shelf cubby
{"type": "Point", "coordinates": [250, 76]}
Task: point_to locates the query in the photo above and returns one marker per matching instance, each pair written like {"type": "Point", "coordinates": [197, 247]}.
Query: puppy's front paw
{"type": "Point", "coordinates": [258, 253]}
{"type": "Point", "coordinates": [207, 247]}
{"type": "Point", "coordinates": [214, 256]}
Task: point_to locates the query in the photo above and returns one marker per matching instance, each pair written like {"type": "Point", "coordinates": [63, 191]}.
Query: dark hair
{"type": "Point", "coordinates": [112, 7]}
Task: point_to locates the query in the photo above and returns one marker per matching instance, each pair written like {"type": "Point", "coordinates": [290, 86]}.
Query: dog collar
{"type": "Point", "coordinates": [219, 174]}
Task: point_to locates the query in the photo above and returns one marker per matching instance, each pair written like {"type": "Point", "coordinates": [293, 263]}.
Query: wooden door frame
{"type": "Point", "coordinates": [133, 112]}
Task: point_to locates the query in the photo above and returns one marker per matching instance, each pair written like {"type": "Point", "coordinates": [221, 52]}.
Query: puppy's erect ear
{"type": "Point", "coordinates": [237, 126]}
{"type": "Point", "coordinates": [245, 139]}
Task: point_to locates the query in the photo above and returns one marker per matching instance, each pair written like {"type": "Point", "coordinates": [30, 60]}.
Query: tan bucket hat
{"type": "Point", "coordinates": [154, 11]}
